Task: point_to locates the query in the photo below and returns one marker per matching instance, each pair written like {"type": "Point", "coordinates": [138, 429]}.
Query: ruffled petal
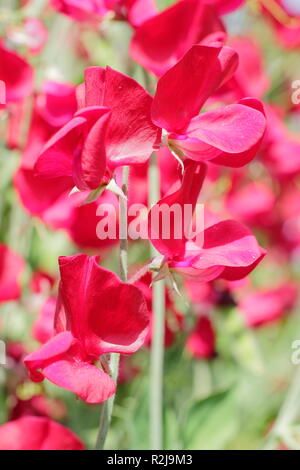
{"type": "Point", "coordinates": [183, 90]}
{"type": "Point", "coordinates": [105, 315]}
{"type": "Point", "coordinates": [162, 40]}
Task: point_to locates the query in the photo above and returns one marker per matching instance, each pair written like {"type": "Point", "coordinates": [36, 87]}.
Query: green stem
{"type": "Point", "coordinates": [288, 413]}
{"type": "Point", "coordinates": [158, 333]}
{"type": "Point", "coordinates": [107, 407]}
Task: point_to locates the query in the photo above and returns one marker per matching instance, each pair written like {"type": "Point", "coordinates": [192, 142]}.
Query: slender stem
{"type": "Point", "coordinates": [107, 407]}
{"type": "Point", "coordinates": [158, 334]}
{"type": "Point", "coordinates": [288, 412]}
{"type": "Point", "coordinates": [123, 227]}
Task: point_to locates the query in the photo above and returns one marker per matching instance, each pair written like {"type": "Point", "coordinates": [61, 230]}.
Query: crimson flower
{"type": "Point", "coordinates": [163, 39]}
{"type": "Point", "coordinates": [97, 314]}
{"type": "Point", "coordinates": [225, 249]}
{"type": "Point", "coordinates": [112, 128]}
{"type": "Point", "coordinates": [268, 305]}
{"type": "Point", "coordinates": [119, 123]}
{"type": "Point", "coordinates": [11, 269]}
{"type": "Point", "coordinates": [92, 11]}
{"type": "Point", "coordinates": [16, 73]}
{"type": "Point", "coordinates": [201, 341]}
{"type": "Point", "coordinates": [37, 433]}
{"type": "Point", "coordinates": [229, 135]}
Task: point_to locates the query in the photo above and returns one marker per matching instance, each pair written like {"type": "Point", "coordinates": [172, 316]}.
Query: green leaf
{"type": "Point", "coordinates": [211, 423]}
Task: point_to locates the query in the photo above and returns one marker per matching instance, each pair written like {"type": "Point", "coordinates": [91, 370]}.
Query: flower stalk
{"type": "Point", "coordinates": [158, 332]}
{"type": "Point", "coordinates": [106, 408]}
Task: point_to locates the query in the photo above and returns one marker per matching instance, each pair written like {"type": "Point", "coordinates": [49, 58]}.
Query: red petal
{"type": "Point", "coordinates": [85, 380]}
{"type": "Point", "coordinates": [183, 90]}
{"type": "Point", "coordinates": [37, 433]}
{"type": "Point", "coordinates": [11, 268]}
{"type": "Point", "coordinates": [162, 40]}
{"type": "Point", "coordinates": [232, 129]}
{"type": "Point", "coordinates": [89, 167]}
{"type": "Point", "coordinates": [56, 159]}
{"type": "Point", "coordinates": [94, 86]}
{"type": "Point", "coordinates": [131, 133]}
{"type": "Point", "coordinates": [106, 314]}
{"type": "Point", "coordinates": [50, 351]}
{"type": "Point", "coordinates": [17, 75]}
{"type": "Point", "coordinates": [237, 160]}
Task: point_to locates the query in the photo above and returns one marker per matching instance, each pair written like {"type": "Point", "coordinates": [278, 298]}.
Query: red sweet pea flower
{"type": "Point", "coordinates": [268, 306]}
{"type": "Point", "coordinates": [38, 405]}
{"type": "Point", "coordinates": [98, 314]}
{"type": "Point", "coordinates": [162, 40]}
{"type": "Point", "coordinates": [11, 269]}
{"type": "Point", "coordinates": [229, 135]}
{"type": "Point", "coordinates": [250, 78]}
{"type": "Point", "coordinates": [281, 147]}
{"type": "Point", "coordinates": [252, 204]}
{"type": "Point", "coordinates": [119, 123]}
{"type": "Point", "coordinates": [43, 327]}
{"type": "Point", "coordinates": [37, 433]}
{"type": "Point", "coordinates": [113, 128]}
{"type": "Point", "coordinates": [226, 249]}
{"type": "Point", "coordinates": [77, 150]}
{"type": "Point", "coordinates": [201, 342]}
{"type": "Point", "coordinates": [16, 73]}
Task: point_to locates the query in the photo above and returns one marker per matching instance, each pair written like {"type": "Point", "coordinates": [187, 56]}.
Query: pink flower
{"type": "Point", "coordinates": [252, 204]}
{"type": "Point", "coordinates": [113, 128]}
{"type": "Point", "coordinates": [11, 269]}
{"type": "Point", "coordinates": [268, 306]}
{"type": "Point", "coordinates": [134, 11]}
{"type": "Point", "coordinates": [43, 327]}
{"type": "Point", "coordinates": [226, 6]}
{"type": "Point", "coordinates": [119, 123]}
{"type": "Point", "coordinates": [97, 314]}
{"type": "Point", "coordinates": [226, 249]}
{"type": "Point", "coordinates": [162, 40]}
{"type": "Point", "coordinates": [37, 433]}
{"type": "Point", "coordinates": [38, 405]}
{"type": "Point", "coordinates": [201, 342]}
{"type": "Point", "coordinates": [16, 74]}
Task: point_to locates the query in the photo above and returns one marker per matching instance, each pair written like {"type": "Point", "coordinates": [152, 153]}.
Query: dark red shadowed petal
{"type": "Point", "coordinates": [11, 268]}
{"type": "Point", "coordinates": [106, 315]}
{"type": "Point", "coordinates": [187, 194]}
{"type": "Point", "coordinates": [162, 40]}
{"type": "Point", "coordinates": [183, 90]}
{"type": "Point", "coordinates": [37, 433]}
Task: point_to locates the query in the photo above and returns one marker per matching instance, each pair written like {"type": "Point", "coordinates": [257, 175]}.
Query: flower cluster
{"type": "Point", "coordinates": [190, 114]}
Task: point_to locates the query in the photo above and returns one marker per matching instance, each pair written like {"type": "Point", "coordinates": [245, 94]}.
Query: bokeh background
{"type": "Point", "coordinates": [231, 381]}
